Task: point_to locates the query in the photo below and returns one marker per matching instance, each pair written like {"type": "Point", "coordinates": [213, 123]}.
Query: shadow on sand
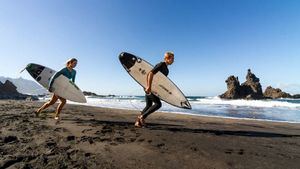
{"type": "Point", "coordinates": [179, 128]}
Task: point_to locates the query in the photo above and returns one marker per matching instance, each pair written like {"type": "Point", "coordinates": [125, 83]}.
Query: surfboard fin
{"type": "Point", "coordinates": [25, 67]}
{"type": "Point", "coordinates": [22, 70]}
{"type": "Point", "coordinates": [186, 105]}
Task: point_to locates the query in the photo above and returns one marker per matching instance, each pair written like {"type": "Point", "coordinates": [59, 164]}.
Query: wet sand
{"type": "Point", "coordinates": [91, 137]}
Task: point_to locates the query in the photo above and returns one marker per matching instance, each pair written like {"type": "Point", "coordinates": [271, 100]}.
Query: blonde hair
{"type": "Point", "coordinates": [170, 54]}
{"type": "Point", "coordinates": [71, 61]}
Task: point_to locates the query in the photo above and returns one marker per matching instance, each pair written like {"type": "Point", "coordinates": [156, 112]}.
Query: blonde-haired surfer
{"type": "Point", "coordinates": [150, 97]}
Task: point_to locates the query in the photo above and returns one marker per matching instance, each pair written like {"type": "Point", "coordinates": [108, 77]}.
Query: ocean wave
{"type": "Point", "coordinates": [274, 110]}
{"type": "Point", "coordinates": [248, 103]}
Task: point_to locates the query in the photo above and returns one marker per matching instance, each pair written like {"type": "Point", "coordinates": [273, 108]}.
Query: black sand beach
{"type": "Point", "coordinates": [90, 137]}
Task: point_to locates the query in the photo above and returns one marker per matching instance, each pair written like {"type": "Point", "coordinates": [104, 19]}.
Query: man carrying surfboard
{"type": "Point", "coordinates": [68, 72]}
{"type": "Point", "coordinates": [153, 102]}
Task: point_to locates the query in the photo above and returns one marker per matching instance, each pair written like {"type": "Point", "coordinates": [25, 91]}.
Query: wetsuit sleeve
{"type": "Point", "coordinates": [73, 77]}
{"type": "Point", "coordinates": [156, 68]}
{"type": "Point", "coordinates": [55, 76]}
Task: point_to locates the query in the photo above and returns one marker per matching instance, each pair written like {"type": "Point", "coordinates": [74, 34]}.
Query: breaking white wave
{"type": "Point", "coordinates": [287, 110]}
{"type": "Point", "coordinates": [248, 103]}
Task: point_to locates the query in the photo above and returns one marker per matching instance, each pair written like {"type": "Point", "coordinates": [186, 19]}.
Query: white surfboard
{"type": "Point", "coordinates": [162, 86]}
{"type": "Point", "coordinates": [62, 86]}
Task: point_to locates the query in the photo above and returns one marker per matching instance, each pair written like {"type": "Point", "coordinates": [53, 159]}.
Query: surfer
{"type": "Point", "coordinates": [70, 73]}
{"type": "Point", "coordinates": [153, 103]}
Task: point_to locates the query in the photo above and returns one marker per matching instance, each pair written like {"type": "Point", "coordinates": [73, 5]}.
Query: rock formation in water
{"type": "Point", "coordinates": [273, 93]}
{"type": "Point", "coordinates": [250, 89]}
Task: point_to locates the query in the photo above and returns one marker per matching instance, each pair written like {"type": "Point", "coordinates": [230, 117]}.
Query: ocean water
{"type": "Point", "coordinates": [282, 110]}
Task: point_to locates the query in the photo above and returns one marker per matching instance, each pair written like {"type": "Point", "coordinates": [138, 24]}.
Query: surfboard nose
{"type": "Point", "coordinates": [127, 60]}
{"type": "Point", "coordinates": [31, 67]}
{"type": "Point", "coordinates": [34, 69]}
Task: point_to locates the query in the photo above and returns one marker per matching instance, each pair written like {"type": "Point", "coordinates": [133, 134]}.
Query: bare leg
{"type": "Point", "coordinates": [60, 106]}
{"type": "Point", "coordinates": [47, 104]}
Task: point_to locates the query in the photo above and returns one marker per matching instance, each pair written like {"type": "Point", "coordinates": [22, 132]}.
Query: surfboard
{"type": "Point", "coordinates": [162, 86]}
{"type": "Point", "coordinates": [62, 86]}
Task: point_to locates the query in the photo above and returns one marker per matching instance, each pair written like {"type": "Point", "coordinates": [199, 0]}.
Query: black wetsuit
{"type": "Point", "coordinates": [151, 98]}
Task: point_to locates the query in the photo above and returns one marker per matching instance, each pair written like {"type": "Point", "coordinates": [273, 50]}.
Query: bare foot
{"type": "Point", "coordinates": [37, 113]}
{"type": "Point", "coordinates": [137, 122]}
{"type": "Point", "coordinates": [140, 122]}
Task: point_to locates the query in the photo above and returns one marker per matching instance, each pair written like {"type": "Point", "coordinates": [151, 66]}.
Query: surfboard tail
{"type": "Point", "coordinates": [186, 105]}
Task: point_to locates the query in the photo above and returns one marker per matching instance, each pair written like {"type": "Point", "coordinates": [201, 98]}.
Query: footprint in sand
{"type": "Point", "coordinates": [141, 140]}
{"type": "Point", "coordinates": [105, 139]}
{"type": "Point", "coordinates": [59, 129]}
{"type": "Point", "coordinates": [228, 151]}
{"type": "Point", "coordinates": [99, 133]}
{"type": "Point", "coordinates": [91, 140]}
{"type": "Point", "coordinates": [162, 147]}
{"type": "Point", "coordinates": [119, 139]}
{"type": "Point", "coordinates": [106, 129]}
{"type": "Point", "coordinates": [50, 143]}
{"type": "Point", "coordinates": [10, 139]}
{"type": "Point", "coordinates": [113, 144]}
{"type": "Point", "coordinates": [87, 154]}
{"type": "Point", "coordinates": [231, 151]}
{"type": "Point", "coordinates": [11, 161]}
{"type": "Point", "coordinates": [194, 148]}
{"type": "Point", "coordinates": [70, 138]}
{"type": "Point", "coordinates": [132, 139]}
{"type": "Point", "coordinates": [86, 130]}
{"type": "Point", "coordinates": [241, 152]}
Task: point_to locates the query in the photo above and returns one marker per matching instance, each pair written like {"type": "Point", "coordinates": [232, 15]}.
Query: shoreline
{"type": "Point", "coordinates": [93, 137]}
{"type": "Point", "coordinates": [192, 114]}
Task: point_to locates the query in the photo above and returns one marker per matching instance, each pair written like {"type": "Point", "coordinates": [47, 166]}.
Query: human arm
{"type": "Point", "coordinates": [149, 82]}
{"type": "Point", "coordinates": [150, 76]}
{"type": "Point", "coordinates": [56, 75]}
{"type": "Point", "coordinates": [73, 76]}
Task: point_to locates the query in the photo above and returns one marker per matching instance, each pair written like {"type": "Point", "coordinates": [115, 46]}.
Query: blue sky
{"type": "Point", "coordinates": [211, 39]}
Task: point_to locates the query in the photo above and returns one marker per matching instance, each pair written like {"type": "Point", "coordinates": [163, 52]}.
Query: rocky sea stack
{"type": "Point", "coordinates": [250, 89]}
{"type": "Point", "coordinates": [273, 93]}
{"type": "Point", "coordinates": [9, 91]}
